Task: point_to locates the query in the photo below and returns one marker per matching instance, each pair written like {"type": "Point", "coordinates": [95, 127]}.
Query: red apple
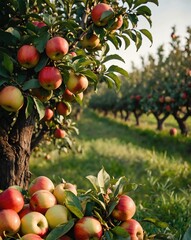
{"type": "Point", "coordinates": [117, 24]}
{"type": "Point", "coordinates": [11, 98]}
{"type": "Point", "coordinates": [26, 209]}
{"type": "Point", "coordinates": [31, 236]}
{"type": "Point", "coordinates": [168, 108]}
{"type": "Point", "coordinates": [48, 114]}
{"type": "Point", "coordinates": [11, 198]}
{"type": "Point", "coordinates": [173, 131]}
{"type": "Point", "coordinates": [42, 94]}
{"type": "Point", "coordinates": [28, 56]}
{"type": "Point", "coordinates": [59, 133]}
{"type": "Point", "coordinates": [56, 48]}
{"type": "Point", "coordinates": [161, 99]}
{"type": "Point", "coordinates": [125, 208]}
{"type": "Point", "coordinates": [90, 42]}
{"type": "Point", "coordinates": [56, 215]}
{"type": "Point", "coordinates": [88, 228]}
{"type": "Point", "coordinates": [42, 200]}
{"type": "Point", "coordinates": [77, 83]}
{"type": "Point", "coordinates": [69, 96]}
{"type": "Point", "coordinates": [40, 183]}
{"type": "Point", "coordinates": [60, 190]}
{"type": "Point", "coordinates": [184, 95]}
{"type": "Point", "coordinates": [63, 108]}
{"type": "Point", "coordinates": [39, 24]}
{"type": "Point", "coordinates": [34, 222]}
{"type": "Point", "coordinates": [50, 78]}
{"type": "Point", "coordinates": [101, 14]}
{"type": "Point", "coordinates": [134, 229]}
{"type": "Point", "coordinates": [9, 222]}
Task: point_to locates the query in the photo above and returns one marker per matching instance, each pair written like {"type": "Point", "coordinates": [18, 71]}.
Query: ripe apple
{"type": "Point", "coordinates": [69, 96]}
{"type": "Point", "coordinates": [77, 83]}
{"type": "Point", "coordinates": [88, 228]}
{"type": "Point", "coordinates": [173, 131]}
{"type": "Point", "coordinates": [134, 229]}
{"type": "Point", "coordinates": [40, 183]}
{"type": "Point", "coordinates": [31, 236]}
{"type": "Point", "coordinates": [39, 24]}
{"type": "Point", "coordinates": [161, 99]}
{"type": "Point", "coordinates": [26, 209]}
{"type": "Point", "coordinates": [50, 78]}
{"type": "Point", "coordinates": [60, 190]}
{"type": "Point", "coordinates": [42, 94]}
{"type": "Point", "coordinates": [90, 42]}
{"type": "Point", "coordinates": [9, 222]}
{"type": "Point", "coordinates": [42, 200]}
{"type": "Point", "coordinates": [56, 48]}
{"type": "Point", "coordinates": [184, 95]}
{"type": "Point", "coordinates": [28, 56]}
{"type": "Point", "coordinates": [11, 198]}
{"type": "Point", "coordinates": [117, 24]}
{"type": "Point", "coordinates": [168, 108]}
{"type": "Point", "coordinates": [125, 208]}
{"type": "Point", "coordinates": [48, 115]}
{"type": "Point", "coordinates": [11, 98]}
{"type": "Point", "coordinates": [34, 222]}
{"type": "Point", "coordinates": [101, 14]}
{"type": "Point", "coordinates": [167, 99]}
{"type": "Point", "coordinates": [59, 133]}
{"type": "Point", "coordinates": [56, 215]}
{"type": "Point", "coordinates": [63, 108]}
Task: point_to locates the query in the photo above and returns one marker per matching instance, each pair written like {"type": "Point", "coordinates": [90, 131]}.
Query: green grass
{"type": "Point", "coordinates": [160, 164]}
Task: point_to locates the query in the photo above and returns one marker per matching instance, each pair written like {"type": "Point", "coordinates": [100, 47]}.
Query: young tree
{"type": "Point", "coordinates": [47, 47]}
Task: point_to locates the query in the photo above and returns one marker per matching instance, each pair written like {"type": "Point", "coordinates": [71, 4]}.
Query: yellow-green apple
{"type": "Point", "coordinates": [34, 222]}
{"type": "Point", "coordinates": [173, 131]}
{"type": "Point", "coordinates": [77, 83]}
{"type": "Point", "coordinates": [90, 42]}
{"type": "Point", "coordinates": [48, 115]}
{"type": "Point", "coordinates": [9, 222]}
{"type": "Point", "coordinates": [50, 78]}
{"type": "Point", "coordinates": [63, 108]}
{"type": "Point", "coordinates": [40, 183]}
{"type": "Point", "coordinates": [26, 209]}
{"type": "Point", "coordinates": [59, 133]}
{"type": "Point", "coordinates": [88, 228]}
{"type": "Point", "coordinates": [42, 200]}
{"type": "Point", "coordinates": [101, 14]}
{"type": "Point", "coordinates": [28, 56]}
{"type": "Point", "coordinates": [117, 24]}
{"type": "Point", "coordinates": [61, 188]}
{"type": "Point", "coordinates": [125, 208]}
{"type": "Point", "coordinates": [42, 94]}
{"type": "Point", "coordinates": [56, 48]}
{"type": "Point", "coordinates": [11, 198]}
{"type": "Point", "coordinates": [56, 215]}
{"type": "Point", "coordinates": [31, 236]}
{"type": "Point", "coordinates": [11, 98]}
{"type": "Point", "coordinates": [134, 228]}
{"type": "Point", "coordinates": [168, 99]}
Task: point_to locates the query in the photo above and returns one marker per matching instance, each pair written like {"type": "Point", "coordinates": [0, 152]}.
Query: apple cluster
{"type": "Point", "coordinates": [37, 212]}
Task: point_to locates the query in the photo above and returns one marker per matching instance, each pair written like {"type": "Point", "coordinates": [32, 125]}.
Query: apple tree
{"type": "Point", "coordinates": [51, 53]}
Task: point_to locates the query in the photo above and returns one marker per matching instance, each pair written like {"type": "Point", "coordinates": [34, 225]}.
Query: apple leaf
{"type": "Point", "coordinates": [29, 108]}
{"type": "Point", "coordinates": [147, 34]}
{"type": "Point", "coordinates": [93, 180]}
{"type": "Point", "coordinates": [60, 230]}
{"type": "Point", "coordinates": [112, 57]}
{"type": "Point", "coordinates": [119, 231]}
{"type": "Point", "coordinates": [32, 83]}
{"type": "Point", "coordinates": [40, 108]}
{"type": "Point", "coordinates": [156, 222]}
{"type": "Point", "coordinates": [89, 74]}
{"type": "Point", "coordinates": [115, 79]}
{"type": "Point", "coordinates": [120, 70]}
{"type": "Point", "coordinates": [103, 179]}
{"type": "Point", "coordinates": [72, 202]}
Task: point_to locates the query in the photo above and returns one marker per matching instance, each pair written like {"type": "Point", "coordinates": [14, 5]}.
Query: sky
{"type": "Point", "coordinates": [169, 13]}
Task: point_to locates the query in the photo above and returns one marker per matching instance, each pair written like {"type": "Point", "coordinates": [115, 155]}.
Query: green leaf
{"type": "Point", "coordinates": [187, 235]}
{"type": "Point", "coordinates": [29, 108]}
{"type": "Point", "coordinates": [112, 205]}
{"type": "Point", "coordinates": [41, 41]}
{"type": "Point", "coordinates": [93, 180]}
{"type": "Point", "coordinates": [22, 6]}
{"type": "Point", "coordinates": [143, 10]}
{"type": "Point", "coordinates": [126, 40]}
{"type": "Point", "coordinates": [42, 63]}
{"type": "Point", "coordinates": [40, 108]}
{"type": "Point", "coordinates": [107, 15]}
{"type": "Point", "coordinates": [32, 83]}
{"type": "Point", "coordinates": [138, 42]}
{"type": "Point", "coordinates": [115, 78]}
{"type": "Point", "coordinates": [119, 231]}
{"type": "Point", "coordinates": [113, 39]}
{"type": "Point", "coordinates": [60, 230]}
{"type": "Point", "coordinates": [72, 202]}
{"type": "Point", "coordinates": [120, 70]}
{"type": "Point", "coordinates": [156, 222]}
{"type": "Point", "coordinates": [89, 74]}
{"type": "Point", "coordinates": [7, 63]}
{"type": "Point", "coordinates": [112, 57]}
{"type": "Point", "coordinates": [147, 34]}
{"type": "Point", "coordinates": [119, 185]}
{"type": "Point", "coordinates": [103, 179]}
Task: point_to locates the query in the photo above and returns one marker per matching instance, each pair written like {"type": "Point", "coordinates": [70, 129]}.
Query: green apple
{"type": "Point", "coordinates": [91, 42]}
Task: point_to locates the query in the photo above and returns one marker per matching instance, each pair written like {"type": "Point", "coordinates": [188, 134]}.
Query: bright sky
{"type": "Point", "coordinates": [169, 13]}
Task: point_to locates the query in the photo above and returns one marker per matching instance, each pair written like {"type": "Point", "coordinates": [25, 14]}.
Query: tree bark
{"type": "Point", "coordinates": [160, 120]}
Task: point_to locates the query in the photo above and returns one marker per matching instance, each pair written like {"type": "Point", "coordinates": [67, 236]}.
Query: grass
{"type": "Point", "coordinates": [160, 164]}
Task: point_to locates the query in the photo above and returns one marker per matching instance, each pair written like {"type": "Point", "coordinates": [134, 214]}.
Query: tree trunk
{"type": "Point", "coordinates": [160, 121]}
{"type": "Point", "coordinates": [15, 149]}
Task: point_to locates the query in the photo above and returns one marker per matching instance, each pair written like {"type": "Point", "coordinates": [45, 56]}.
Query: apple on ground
{"type": "Point", "coordinates": [90, 42]}
{"type": "Point", "coordinates": [50, 78]}
{"type": "Point", "coordinates": [56, 48]}
{"type": "Point", "coordinates": [11, 98]}
{"type": "Point", "coordinates": [125, 208]}
{"type": "Point", "coordinates": [26, 209]}
{"type": "Point", "coordinates": [31, 236]}
{"type": "Point", "coordinates": [11, 198]}
{"type": "Point", "coordinates": [59, 133]}
{"type": "Point", "coordinates": [59, 191]}
{"type": "Point", "coordinates": [34, 222]}
{"type": "Point", "coordinates": [88, 228]}
{"type": "Point", "coordinates": [77, 83]}
{"type": "Point", "coordinates": [40, 183]}
{"type": "Point", "coordinates": [134, 229]}
{"type": "Point", "coordinates": [48, 115]}
{"type": "Point", "coordinates": [42, 200]}
{"type": "Point", "coordinates": [63, 108]}
{"type": "Point", "coordinates": [173, 131]}
{"type": "Point", "coordinates": [9, 222]}
{"type": "Point", "coordinates": [101, 14]}
{"type": "Point", "coordinates": [42, 94]}
{"type": "Point", "coordinates": [28, 56]}
{"type": "Point", "coordinates": [56, 215]}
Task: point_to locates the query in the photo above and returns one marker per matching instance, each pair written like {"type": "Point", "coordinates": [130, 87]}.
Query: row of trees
{"type": "Point", "coordinates": [162, 87]}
